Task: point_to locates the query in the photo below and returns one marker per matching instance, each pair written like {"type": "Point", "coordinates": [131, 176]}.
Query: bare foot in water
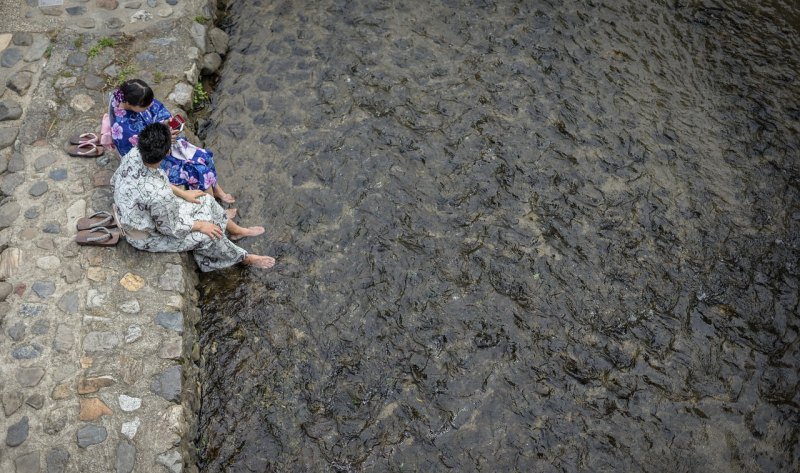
{"type": "Point", "coordinates": [223, 196]}
{"type": "Point", "coordinates": [243, 232]}
{"type": "Point", "coordinates": [231, 212]}
{"type": "Point", "coordinates": [256, 261]}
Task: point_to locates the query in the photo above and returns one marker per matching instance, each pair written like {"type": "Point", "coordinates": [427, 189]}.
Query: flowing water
{"type": "Point", "coordinates": [533, 236]}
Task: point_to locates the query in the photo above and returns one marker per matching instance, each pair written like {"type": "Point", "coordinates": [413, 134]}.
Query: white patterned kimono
{"type": "Point", "coordinates": [145, 204]}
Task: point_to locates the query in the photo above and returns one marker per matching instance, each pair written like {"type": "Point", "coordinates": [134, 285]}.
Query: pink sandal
{"type": "Point", "coordinates": [85, 150]}
{"type": "Point", "coordinates": [84, 138]}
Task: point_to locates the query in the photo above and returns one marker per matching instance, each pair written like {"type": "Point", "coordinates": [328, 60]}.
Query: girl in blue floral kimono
{"type": "Point", "coordinates": [132, 108]}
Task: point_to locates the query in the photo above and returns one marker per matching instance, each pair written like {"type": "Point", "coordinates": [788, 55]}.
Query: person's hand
{"type": "Point", "coordinates": [213, 231]}
{"type": "Point", "coordinates": [174, 134]}
{"type": "Point", "coordinates": [192, 196]}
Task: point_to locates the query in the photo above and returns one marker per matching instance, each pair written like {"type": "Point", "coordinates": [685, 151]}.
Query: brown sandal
{"type": "Point", "coordinates": [100, 236]}
{"type": "Point", "coordinates": [85, 150]}
{"type": "Point", "coordinates": [84, 138]}
{"type": "Point", "coordinates": [97, 219]}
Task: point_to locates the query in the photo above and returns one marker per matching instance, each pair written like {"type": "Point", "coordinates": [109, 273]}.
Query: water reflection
{"type": "Point", "coordinates": [522, 236]}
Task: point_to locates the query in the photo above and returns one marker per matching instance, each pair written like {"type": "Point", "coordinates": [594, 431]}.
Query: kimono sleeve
{"type": "Point", "coordinates": [165, 210]}
{"type": "Point", "coordinates": [159, 111]}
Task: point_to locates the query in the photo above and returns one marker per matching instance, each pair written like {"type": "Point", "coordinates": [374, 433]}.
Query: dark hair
{"type": "Point", "coordinates": [137, 93]}
{"type": "Point", "coordinates": [154, 142]}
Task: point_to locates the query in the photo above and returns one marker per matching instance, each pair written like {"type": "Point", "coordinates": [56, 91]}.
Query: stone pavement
{"type": "Point", "coordinates": [98, 347]}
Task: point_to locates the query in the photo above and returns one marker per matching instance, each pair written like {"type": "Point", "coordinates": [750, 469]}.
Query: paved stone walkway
{"type": "Point", "coordinates": [97, 344]}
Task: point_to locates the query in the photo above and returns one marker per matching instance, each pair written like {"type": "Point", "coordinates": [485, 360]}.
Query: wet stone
{"type": "Point", "coordinates": [36, 401]}
{"type": "Point", "coordinates": [16, 332]}
{"type": "Point", "coordinates": [170, 320]}
{"type": "Point", "coordinates": [91, 435]}
{"type": "Point", "coordinates": [32, 213]}
{"type": "Point", "coordinates": [27, 352]}
{"type": "Point", "coordinates": [77, 59]}
{"type": "Point", "coordinates": [30, 377]}
{"type": "Point", "coordinates": [58, 174]}
{"type": "Point", "coordinates": [56, 460]}
{"type": "Point", "coordinates": [168, 384]}
{"type": "Point", "coordinates": [126, 457]}
{"type": "Point", "coordinates": [17, 433]}
{"type": "Point", "coordinates": [27, 463]}
{"type": "Point", "coordinates": [38, 189]}
{"type": "Point", "coordinates": [100, 341]}
{"type": "Point", "coordinates": [44, 161]}
{"type": "Point", "coordinates": [12, 400]}
{"type": "Point", "coordinates": [20, 82]}
{"type": "Point", "coordinates": [10, 110]}
{"type": "Point", "coordinates": [69, 303]}
{"type": "Point", "coordinates": [10, 57]}
{"type": "Point", "coordinates": [41, 327]}
{"type": "Point", "coordinates": [51, 227]}
{"type": "Point", "coordinates": [76, 11]}
{"type": "Point", "coordinates": [44, 289]}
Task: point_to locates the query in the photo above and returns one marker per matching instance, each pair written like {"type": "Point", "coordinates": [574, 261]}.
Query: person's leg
{"type": "Point", "coordinates": [237, 232]}
{"type": "Point", "coordinates": [257, 261]}
{"type": "Point", "coordinates": [222, 195]}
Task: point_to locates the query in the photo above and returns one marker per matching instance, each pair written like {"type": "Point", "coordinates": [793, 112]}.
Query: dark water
{"type": "Point", "coordinates": [534, 236]}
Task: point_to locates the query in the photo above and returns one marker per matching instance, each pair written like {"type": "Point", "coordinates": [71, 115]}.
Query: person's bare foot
{"type": "Point", "coordinates": [257, 261]}
{"type": "Point", "coordinates": [223, 196]}
{"type": "Point", "coordinates": [246, 232]}
{"type": "Point", "coordinates": [231, 212]}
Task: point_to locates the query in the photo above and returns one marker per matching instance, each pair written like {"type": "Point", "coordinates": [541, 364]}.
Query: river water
{"type": "Point", "coordinates": [533, 236]}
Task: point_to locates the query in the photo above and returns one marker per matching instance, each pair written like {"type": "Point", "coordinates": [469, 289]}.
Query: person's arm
{"type": "Point", "coordinates": [208, 228]}
{"type": "Point", "coordinates": [192, 196]}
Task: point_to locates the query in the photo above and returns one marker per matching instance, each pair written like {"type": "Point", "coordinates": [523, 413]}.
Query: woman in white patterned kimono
{"type": "Point", "coordinates": [155, 219]}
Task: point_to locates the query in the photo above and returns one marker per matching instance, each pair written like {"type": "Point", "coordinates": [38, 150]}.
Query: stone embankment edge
{"type": "Point", "coordinates": [94, 351]}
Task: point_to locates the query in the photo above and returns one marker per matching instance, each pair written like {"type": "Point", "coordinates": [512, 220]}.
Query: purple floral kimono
{"type": "Point", "coordinates": [186, 165]}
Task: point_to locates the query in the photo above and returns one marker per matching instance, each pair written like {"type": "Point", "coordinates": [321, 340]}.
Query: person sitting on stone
{"type": "Point", "coordinates": [132, 107]}
{"type": "Point", "coordinates": [154, 219]}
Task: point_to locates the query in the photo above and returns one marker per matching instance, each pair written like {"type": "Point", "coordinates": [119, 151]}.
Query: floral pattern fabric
{"type": "Point", "coordinates": [186, 165]}
{"type": "Point", "coordinates": [145, 203]}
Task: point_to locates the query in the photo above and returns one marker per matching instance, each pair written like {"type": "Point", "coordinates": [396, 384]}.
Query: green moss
{"type": "Point", "coordinates": [200, 95]}
{"type": "Point", "coordinates": [101, 43]}
{"type": "Point", "coordinates": [201, 19]}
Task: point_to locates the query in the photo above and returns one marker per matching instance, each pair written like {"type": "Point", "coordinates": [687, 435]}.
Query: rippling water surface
{"type": "Point", "coordinates": [546, 236]}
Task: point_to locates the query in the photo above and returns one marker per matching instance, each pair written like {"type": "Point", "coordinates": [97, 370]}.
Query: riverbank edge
{"type": "Point", "coordinates": [99, 344]}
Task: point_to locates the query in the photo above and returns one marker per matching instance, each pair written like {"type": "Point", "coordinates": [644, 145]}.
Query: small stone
{"type": "Point", "coordinates": [133, 5]}
{"type": "Point", "coordinates": [134, 333]}
{"type": "Point", "coordinates": [44, 160]}
{"type": "Point", "coordinates": [10, 57]}
{"type": "Point", "coordinates": [152, 3]}
{"type": "Point", "coordinates": [55, 421]}
{"type": "Point", "coordinates": [8, 214]}
{"type": "Point", "coordinates": [17, 162]}
{"type": "Point", "coordinates": [5, 290]}
{"type": "Point", "coordinates": [36, 401]}
{"type": "Point", "coordinates": [102, 178]}
{"type": "Point", "coordinates": [51, 11]}
{"type": "Point", "coordinates": [38, 188]}
{"type": "Point", "coordinates": [92, 409]}
{"type": "Point", "coordinates": [75, 11]}
{"type": "Point", "coordinates": [172, 460]}
{"type": "Point", "coordinates": [129, 428]}
{"type": "Point", "coordinates": [172, 349]}
{"type": "Point", "coordinates": [172, 279]}
{"type": "Point", "coordinates": [172, 2]}
{"type": "Point", "coordinates": [91, 385]}
{"type": "Point", "coordinates": [107, 4]}
{"type": "Point", "coordinates": [48, 263]}
{"type": "Point", "coordinates": [58, 174]}
{"type": "Point", "coordinates": [126, 457]}
{"type": "Point", "coordinates": [20, 82]}
{"type": "Point", "coordinates": [12, 400]}
{"type": "Point", "coordinates": [96, 274]}
{"type": "Point", "coordinates": [175, 301]}
{"type": "Point", "coordinates": [130, 306]}
{"type": "Point", "coordinates": [91, 435]}
{"type": "Point", "coordinates": [198, 33]}
{"type": "Point", "coordinates": [132, 282]}
{"type": "Point", "coordinates": [86, 22]}
{"type": "Point", "coordinates": [28, 234]}
{"type": "Point", "coordinates": [17, 433]}
{"type": "Point", "coordinates": [37, 49]}
{"type": "Point", "coordinates": [93, 82]}
{"type": "Point", "coordinates": [131, 369]}
{"type": "Point", "coordinates": [141, 15]}
{"type": "Point", "coordinates": [57, 459]}
{"type": "Point", "coordinates": [164, 12]}
{"type": "Point", "coordinates": [182, 94]}
{"type": "Point", "coordinates": [170, 320]}
{"type": "Point", "coordinates": [61, 392]}
{"type": "Point", "coordinates": [41, 327]}
{"type": "Point", "coordinates": [77, 59]}
{"type": "Point", "coordinates": [29, 377]}
{"type": "Point", "coordinates": [128, 403]}
{"type": "Point", "coordinates": [219, 40]}
{"type": "Point", "coordinates": [168, 384]}
{"type": "Point", "coordinates": [28, 463]}
{"type": "Point", "coordinates": [32, 310]}
{"type": "Point", "coordinates": [52, 228]}
{"type": "Point", "coordinates": [100, 341]}
{"type": "Point", "coordinates": [73, 272]}
{"type": "Point", "coordinates": [81, 103]}
{"type": "Point", "coordinates": [70, 303]}
{"type": "Point", "coordinates": [22, 39]}
{"type": "Point", "coordinates": [8, 136]}
{"type": "Point", "coordinates": [27, 352]}
{"type": "Point", "coordinates": [114, 23]}
{"type": "Point", "coordinates": [32, 213]}
{"type": "Point", "coordinates": [64, 339]}
{"type": "Point", "coordinates": [16, 331]}
{"type": "Point", "coordinates": [95, 298]}
{"type": "Point", "coordinates": [211, 63]}
{"type": "Point", "coordinates": [44, 289]}
{"type": "Point", "coordinates": [66, 82]}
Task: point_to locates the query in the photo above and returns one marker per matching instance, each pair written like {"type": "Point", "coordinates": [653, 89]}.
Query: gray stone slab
{"type": "Point", "coordinates": [38, 188]}
{"type": "Point", "coordinates": [30, 376]}
{"type": "Point", "coordinates": [31, 310]}
{"type": "Point", "coordinates": [10, 182]}
{"type": "Point", "coordinates": [22, 39]}
{"type": "Point", "coordinates": [36, 401]}
{"type": "Point", "coordinates": [8, 214]}
{"type": "Point", "coordinates": [10, 109]}
{"type": "Point", "coordinates": [91, 435]}
{"type": "Point", "coordinates": [17, 331]}
{"type": "Point", "coordinates": [64, 339]}
{"type": "Point", "coordinates": [17, 433]}
{"type": "Point", "coordinates": [77, 59]}
{"type": "Point", "coordinates": [59, 174]}
{"type": "Point", "coordinates": [28, 463]}
{"type": "Point", "coordinates": [12, 400]}
{"type": "Point", "coordinates": [20, 82]}
{"type": "Point", "coordinates": [100, 341]}
{"type": "Point", "coordinates": [7, 136]}
{"type": "Point", "coordinates": [57, 460]}
{"type": "Point", "coordinates": [32, 213]}
{"type": "Point", "coordinates": [70, 302]}
{"type": "Point", "coordinates": [170, 320]}
{"type": "Point", "coordinates": [27, 352]}
{"type": "Point", "coordinates": [37, 49]}
{"type": "Point", "coordinates": [16, 163]}
{"type": "Point", "coordinates": [168, 384]}
{"type": "Point", "coordinates": [52, 228]}
{"type": "Point", "coordinates": [44, 288]}
{"type": "Point", "coordinates": [76, 11]}
{"type": "Point", "coordinates": [41, 327]}
{"type": "Point", "coordinates": [10, 57]}
{"type": "Point", "coordinates": [126, 457]}
{"type": "Point", "coordinates": [44, 161]}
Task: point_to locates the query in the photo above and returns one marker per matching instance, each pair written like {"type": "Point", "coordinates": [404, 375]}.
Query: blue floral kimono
{"type": "Point", "coordinates": [186, 165]}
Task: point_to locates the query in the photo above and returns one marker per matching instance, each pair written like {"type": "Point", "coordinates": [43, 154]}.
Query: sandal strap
{"type": "Point", "coordinates": [106, 234]}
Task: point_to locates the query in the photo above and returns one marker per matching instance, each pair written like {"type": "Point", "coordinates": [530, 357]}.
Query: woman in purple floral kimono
{"type": "Point", "coordinates": [132, 108]}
